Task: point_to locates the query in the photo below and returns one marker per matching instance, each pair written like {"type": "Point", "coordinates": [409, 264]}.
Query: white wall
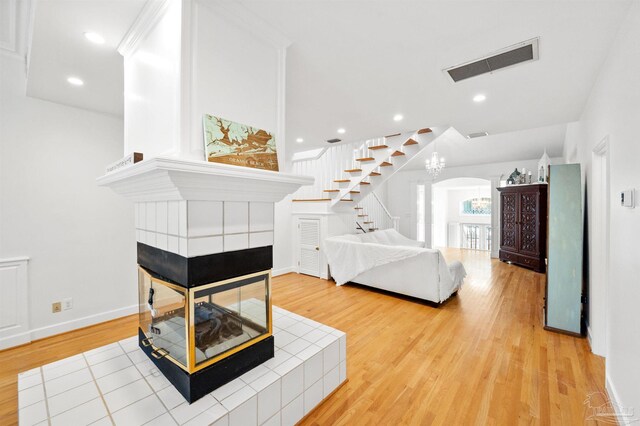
{"type": "Point", "coordinates": [612, 110]}
{"type": "Point", "coordinates": [80, 237]}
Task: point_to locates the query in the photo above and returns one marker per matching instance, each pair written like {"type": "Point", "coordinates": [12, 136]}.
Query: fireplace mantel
{"type": "Point", "coordinates": [166, 179]}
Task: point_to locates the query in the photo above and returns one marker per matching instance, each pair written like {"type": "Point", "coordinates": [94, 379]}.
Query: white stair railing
{"type": "Point", "coordinates": [330, 166]}
{"type": "Point", "coordinates": [376, 212]}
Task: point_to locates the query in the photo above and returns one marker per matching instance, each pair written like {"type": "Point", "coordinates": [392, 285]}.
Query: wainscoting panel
{"type": "Point", "coordinates": [14, 312]}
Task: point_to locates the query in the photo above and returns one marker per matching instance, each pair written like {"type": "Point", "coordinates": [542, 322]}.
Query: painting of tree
{"type": "Point", "coordinates": [228, 142]}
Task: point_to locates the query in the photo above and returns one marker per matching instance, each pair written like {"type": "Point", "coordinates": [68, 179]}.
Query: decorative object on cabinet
{"type": "Point", "coordinates": [514, 178]}
{"type": "Point", "coordinates": [563, 300]}
{"type": "Point", "coordinates": [543, 168]}
{"type": "Point", "coordinates": [237, 144]}
{"type": "Point", "coordinates": [523, 225]}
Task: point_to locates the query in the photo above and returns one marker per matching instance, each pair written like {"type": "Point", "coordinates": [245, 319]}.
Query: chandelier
{"type": "Point", "coordinates": [481, 203]}
{"type": "Point", "coordinates": [435, 165]}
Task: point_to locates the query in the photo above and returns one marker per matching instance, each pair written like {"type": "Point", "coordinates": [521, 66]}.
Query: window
{"type": "Point", "coordinates": [420, 212]}
{"type": "Point", "coordinates": [476, 207]}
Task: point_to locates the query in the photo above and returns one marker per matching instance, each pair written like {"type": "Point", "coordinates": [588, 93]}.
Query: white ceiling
{"type": "Point", "coordinates": [355, 64]}
{"type": "Point", "coordinates": [60, 50]}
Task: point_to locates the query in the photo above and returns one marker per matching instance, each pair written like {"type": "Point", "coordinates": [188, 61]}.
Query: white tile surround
{"type": "Point", "coordinates": [118, 384]}
{"type": "Point", "coordinates": [197, 228]}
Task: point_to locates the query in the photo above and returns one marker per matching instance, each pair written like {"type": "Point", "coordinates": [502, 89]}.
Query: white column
{"type": "Point", "coordinates": [495, 216]}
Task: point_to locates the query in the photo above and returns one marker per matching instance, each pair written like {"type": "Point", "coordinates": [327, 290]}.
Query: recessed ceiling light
{"type": "Point", "coordinates": [299, 140]}
{"type": "Point", "coordinates": [341, 131]}
{"type": "Point", "coordinates": [75, 81]}
{"type": "Point", "coordinates": [479, 98]}
{"type": "Point", "coordinates": [94, 37]}
{"type": "Point", "coordinates": [398, 117]}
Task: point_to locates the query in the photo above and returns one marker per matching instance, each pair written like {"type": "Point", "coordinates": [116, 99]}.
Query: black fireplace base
{"type": "Point", "coordinates": [195, 386]}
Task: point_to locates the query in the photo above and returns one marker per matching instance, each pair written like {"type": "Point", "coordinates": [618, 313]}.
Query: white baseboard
{"type": "Point", "coordinates": [15, 340]}
{"type": "Point", "coordinates": [589, 338]}
{"type": "Point", "coordinates": [615, 402]}
{"type": "Point", "coordinates": [282, 271]}
{"type": "Point", "coordinates": [63, 327]}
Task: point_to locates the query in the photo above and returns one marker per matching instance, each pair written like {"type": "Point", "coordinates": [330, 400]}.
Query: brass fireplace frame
{"type": "Point", "coordinates": [189, 306]}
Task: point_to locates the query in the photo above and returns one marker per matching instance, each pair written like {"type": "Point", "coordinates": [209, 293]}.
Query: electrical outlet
{"type": "Point", "coordinates": [56, 307]}
{"type": "Point", "coordinates": [67, 304]}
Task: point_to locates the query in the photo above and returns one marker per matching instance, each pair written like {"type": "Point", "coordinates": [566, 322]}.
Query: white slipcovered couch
{"type": "Point", "coordinates": [389, 261]}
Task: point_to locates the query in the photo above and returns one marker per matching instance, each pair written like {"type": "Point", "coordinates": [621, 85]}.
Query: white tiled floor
{"type": "Point", "coordinates": [118, 384]}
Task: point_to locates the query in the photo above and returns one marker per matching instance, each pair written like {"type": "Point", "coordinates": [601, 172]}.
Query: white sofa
{"type": "Point", "coordinates": [387, 260]}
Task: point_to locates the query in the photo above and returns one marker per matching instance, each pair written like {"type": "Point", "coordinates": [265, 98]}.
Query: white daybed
{"type": "Point", "coordinates": [387, 260]}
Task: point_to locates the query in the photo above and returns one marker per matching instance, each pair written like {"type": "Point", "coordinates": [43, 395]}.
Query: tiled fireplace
{"type": "Point", "coordinates": [204, 252]}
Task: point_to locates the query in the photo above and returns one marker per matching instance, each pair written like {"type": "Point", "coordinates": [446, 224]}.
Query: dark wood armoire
{"type": "Point", "coordinates": [523, 225]}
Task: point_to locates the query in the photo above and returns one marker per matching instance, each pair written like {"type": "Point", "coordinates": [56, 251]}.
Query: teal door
{"type": "Point", "coordinates": [564, 271]}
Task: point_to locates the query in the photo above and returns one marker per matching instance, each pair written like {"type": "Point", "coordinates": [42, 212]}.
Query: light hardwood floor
{"type": "Point", "coordinates": [481, 358]}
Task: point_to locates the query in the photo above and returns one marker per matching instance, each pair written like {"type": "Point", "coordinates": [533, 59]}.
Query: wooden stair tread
{"type": "Point", "coordinates": [393, 135]}
{"type": "Point", "coordinates": [364, 159]}
{"type": "Point", "coordinates": [373, 229]}
{"type": "Point", "coordinates": [410, 142]}
{"type": "Point", "coordinates": [346, 199]}
{"type": "Point", "coordinates": [374, 174]}
{"type": "Point", "coordinates": [385, 164]}
{"type": "Point", "coordinates": [310, 199]}
{"type": "Point", "coordinates": [358, 208]}
{"type": "Point", "coordinates": [368, 221]}
{"type": "Point", "coordinates": [331, 190]}
{"type": "Point", "coordinates": [365, 183]}
{"type": "Point", "coordinates": [353, 170]}
{"type": "Point", "coordinates": [397, 154]}
{"type": "Point", "coordinates": [363, 215]}
{"type": "Point", "coordinates": [342, 180]}
{"type": "Point", "coordinates": [378, 147]}
{"type": "Point", "coordinates": [354, 192]}
{"type": "Point", "coordinates": [425, 130]}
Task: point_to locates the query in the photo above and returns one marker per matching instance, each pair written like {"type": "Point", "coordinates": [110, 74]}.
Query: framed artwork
{"type": "Point", "coordinates": [228, 142]}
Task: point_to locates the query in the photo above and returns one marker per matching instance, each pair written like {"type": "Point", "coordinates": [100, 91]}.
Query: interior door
{"type": "Point", "coordinates": [529, 209]}
{"type": "Point", "coordinates": [564, 271]}
{"type": "Point", "coordinates": [509, 201]}
{"type": "Point", "coordinates": [309, 243]}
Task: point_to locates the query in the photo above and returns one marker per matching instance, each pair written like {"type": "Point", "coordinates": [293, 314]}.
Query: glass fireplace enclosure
{"type": "Point", "coordinates": [199, 326]}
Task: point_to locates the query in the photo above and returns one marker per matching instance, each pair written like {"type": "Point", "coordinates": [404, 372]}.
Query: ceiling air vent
{"type": "Point", "coordinates": [333, 140]}
{"type": "Point", "coordinates": [477, 135]}
{"type": "Point", "coordinates": [501, 59]}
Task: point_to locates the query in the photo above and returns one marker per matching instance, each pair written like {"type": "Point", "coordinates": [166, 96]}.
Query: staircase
{"type": "Point", "coordinates": [372, 215]}
{"type": "Point", "coordinates": [348, 173]}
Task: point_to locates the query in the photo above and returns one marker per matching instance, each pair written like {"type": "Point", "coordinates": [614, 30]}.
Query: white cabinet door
{"type": "Point", "coordinates": [309, 244]}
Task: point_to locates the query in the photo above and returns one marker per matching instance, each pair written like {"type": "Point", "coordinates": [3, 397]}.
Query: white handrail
{"type": "Point", "coordinates": [377, 213]}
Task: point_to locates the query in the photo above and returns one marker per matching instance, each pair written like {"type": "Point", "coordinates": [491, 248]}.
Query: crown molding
{"type": "Point", "coordinates": [20, 22]}
{"type": "Point", "coordinates": [149, 16]}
